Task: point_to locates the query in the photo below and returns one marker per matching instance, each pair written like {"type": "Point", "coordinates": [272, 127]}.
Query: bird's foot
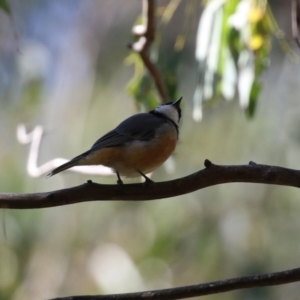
{"type": "Point", "coordinates": [147, 179]}
{"type": "Point", "coordinates": [119, 182]}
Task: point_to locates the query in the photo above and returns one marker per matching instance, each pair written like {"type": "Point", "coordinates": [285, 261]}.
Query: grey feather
{"type": "Point", "coordinates": [129, 131]}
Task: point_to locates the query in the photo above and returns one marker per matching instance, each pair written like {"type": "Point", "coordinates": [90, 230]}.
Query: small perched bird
{"type": "Point", "coordinates": [137, 146]}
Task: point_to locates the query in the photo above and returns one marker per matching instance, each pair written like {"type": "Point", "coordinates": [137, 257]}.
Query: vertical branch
{"type": "Point", "coordinates": [146, 33]}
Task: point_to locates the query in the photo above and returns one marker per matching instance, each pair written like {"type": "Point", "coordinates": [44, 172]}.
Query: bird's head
{"type": "Point", "coordinates": [171, 110]}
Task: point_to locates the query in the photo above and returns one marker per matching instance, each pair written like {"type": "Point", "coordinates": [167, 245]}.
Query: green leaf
{"type": "Point", "coordinates": [5, 6]}
{"type": "Point", "coordinates": [255, 91]}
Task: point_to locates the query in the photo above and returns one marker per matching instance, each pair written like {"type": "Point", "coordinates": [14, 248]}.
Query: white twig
{"type": "Point", "coordinates": [34, 137]}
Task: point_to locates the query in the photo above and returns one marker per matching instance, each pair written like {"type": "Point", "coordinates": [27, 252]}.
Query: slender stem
{"type": "Point", "coordinates": [143, 45]}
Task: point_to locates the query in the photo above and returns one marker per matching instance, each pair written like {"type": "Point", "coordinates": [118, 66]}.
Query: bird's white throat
{"type": "Point", "coordinates": [169, 111]}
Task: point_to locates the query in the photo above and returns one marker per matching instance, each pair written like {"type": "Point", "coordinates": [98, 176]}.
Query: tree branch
{"type": "Point", "coordinates": [146, 33]}
{"type": "Point", "coordinates": [211, 175]}
{"type": "Point", "coordinates": [209, 288]}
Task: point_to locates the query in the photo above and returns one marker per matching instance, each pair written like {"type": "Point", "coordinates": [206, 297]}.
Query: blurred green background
{"type": "Point", "coordinates": [62, 66]}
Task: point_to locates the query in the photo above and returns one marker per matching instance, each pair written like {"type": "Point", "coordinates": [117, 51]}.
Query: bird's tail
{"type": "Point", "coordinates": [73, 162]}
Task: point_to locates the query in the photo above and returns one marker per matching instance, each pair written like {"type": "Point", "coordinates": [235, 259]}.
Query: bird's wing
{"type": "Point", "coordinates": [138, 127]}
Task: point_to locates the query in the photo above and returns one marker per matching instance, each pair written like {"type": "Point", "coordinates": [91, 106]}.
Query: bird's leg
{"type": "Point", "coordinates": [119, 179]}
{"type": "Point", "coordinates": [147, 179]}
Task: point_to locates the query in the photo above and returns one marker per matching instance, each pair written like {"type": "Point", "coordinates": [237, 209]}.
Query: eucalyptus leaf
{"type": "Point", "coordinates": [233, 44]}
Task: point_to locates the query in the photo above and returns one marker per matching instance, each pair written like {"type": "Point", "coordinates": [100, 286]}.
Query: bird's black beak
{"type": "Point", "coordinates": [177, 102]}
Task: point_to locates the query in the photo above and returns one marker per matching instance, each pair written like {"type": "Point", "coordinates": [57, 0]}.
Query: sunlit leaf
{"type": "Point", "coordinates": [205, 28]}
{"type": "Point", "coordinates": [169, 11]}
{"type": "Point", "coordinates": [255, 91]}
{"type": "Point", "coordinates": [229, 79]}
{"type": "Point", "coordinates": [256, 14]}
{"type": "Point", "coordinates": [245, 79]}
{"type": "Point", "coordinates": [197, 109]}
{"type": "Point", "coordinates": [256, 42]}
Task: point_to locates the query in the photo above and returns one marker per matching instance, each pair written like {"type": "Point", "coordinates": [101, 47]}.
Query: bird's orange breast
{"type": "Point", "coordinates": [144, 156]}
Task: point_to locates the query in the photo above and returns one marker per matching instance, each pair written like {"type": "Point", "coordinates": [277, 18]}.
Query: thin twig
{"type": "Point", "coordinates": [146, 33]}
{"type": "Point", "coordinates": [209, 288]}
{"type": "Point", "coordinates": [34, 138]}
{"type": "Point", "coordinates": [211, 175]}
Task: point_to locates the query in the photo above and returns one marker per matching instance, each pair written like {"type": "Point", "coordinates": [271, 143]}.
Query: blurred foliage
{"type": "Point", "coordinates": [233, 45]}
{"type": "Point", "coordinates": [5, 6]}
{"type": "Point", "coordinates": [141, 86]}
{"type": "Point", "coordinates": [232, 50]}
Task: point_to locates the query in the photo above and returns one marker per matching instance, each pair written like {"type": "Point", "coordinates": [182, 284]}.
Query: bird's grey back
{"type": "Point", "coordinates": [138, 127]}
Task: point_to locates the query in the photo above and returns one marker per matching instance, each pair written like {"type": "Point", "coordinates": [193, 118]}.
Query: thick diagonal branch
{"type": "Point", "coordinates": [211, 175]}
{"type": "Point", "coordinates": [209, 288]}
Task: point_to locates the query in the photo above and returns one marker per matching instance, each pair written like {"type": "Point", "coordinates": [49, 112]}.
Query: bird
{"type": "Point", "coordinates": [137, 146]}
